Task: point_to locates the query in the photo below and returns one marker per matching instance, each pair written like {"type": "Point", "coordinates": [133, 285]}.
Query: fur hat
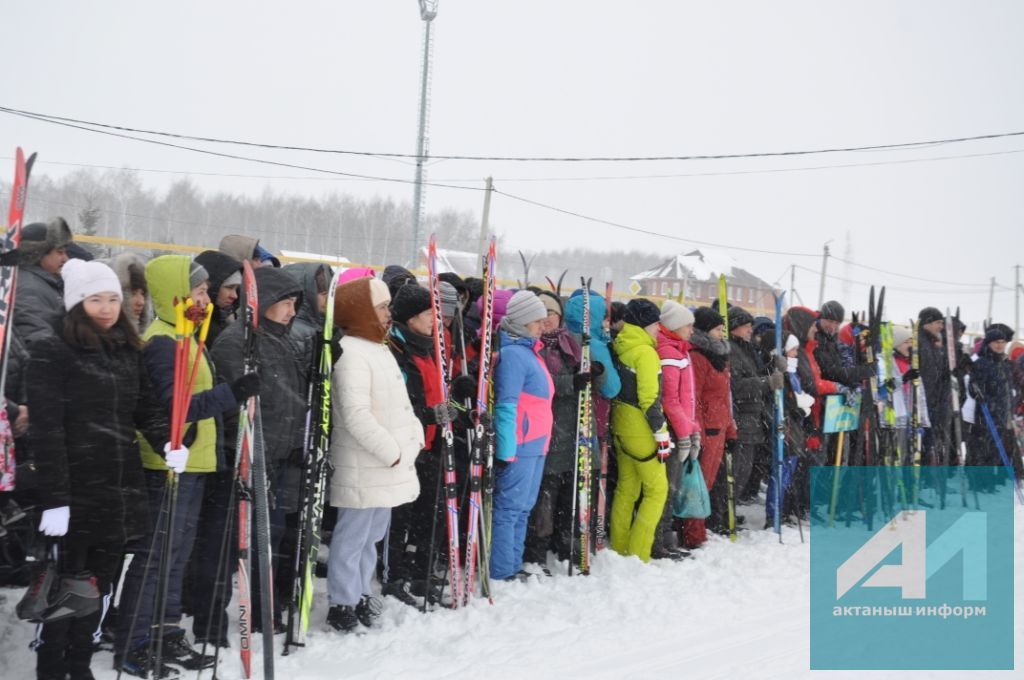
{"type": "Point", "coordinates": [37, 239]}
{"type": "Point", "coordinates": [739, 317]}
{"type": "Point", "coordinates": [706, 318]}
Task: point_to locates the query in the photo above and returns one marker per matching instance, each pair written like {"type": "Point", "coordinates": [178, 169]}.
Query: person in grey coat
{"type": "Point", "coordinates": [40, 290]}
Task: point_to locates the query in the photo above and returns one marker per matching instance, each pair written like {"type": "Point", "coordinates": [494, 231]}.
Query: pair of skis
{"type": "Point", "coordinates": [584, 448]}
{"type": "Point", "coordinates": [478, 531]}
{"type": "Point", "coordinates": [316, 462]}
{"type": "Point", "coordinates": [8, 279]}
{"type": "Point", "coordinates": [730, 480]}
{"type": "Point", "coordinates": [251, 476]}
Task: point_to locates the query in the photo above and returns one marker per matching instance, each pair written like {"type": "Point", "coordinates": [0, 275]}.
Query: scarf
{"type": "Point", "coordinates": [716, 351]}
{"type": "Point", "coordinates": [560, 350]}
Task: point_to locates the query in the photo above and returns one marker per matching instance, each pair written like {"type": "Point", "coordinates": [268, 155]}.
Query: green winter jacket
{"type": "Point", "coordinates": [167, 277]}
{"type": "Point", "coordinates": [636, 411]}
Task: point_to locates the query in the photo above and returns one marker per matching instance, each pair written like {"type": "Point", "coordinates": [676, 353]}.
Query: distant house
{"type": "Point", "coordinates": [461, 262]}
{"type": "Point", "coordinates": [695, 276]}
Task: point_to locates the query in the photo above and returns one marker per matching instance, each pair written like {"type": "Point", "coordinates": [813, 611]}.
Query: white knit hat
{"type": "Point", "coordinates": [674, 315]}
{"type": "Point", "coordinates": [900, 334]}
{"type": "Point", "coordinates": [82, 279]}
{"type": "Point", "coordinates": [791, 342]}
{"type": "Point", "coordinates": [379, 292]}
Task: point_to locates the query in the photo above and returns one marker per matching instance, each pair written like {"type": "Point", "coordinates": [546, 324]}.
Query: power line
{"type": "Point", "coordinates": [251, 159]}
{"type": "Point", "coordinates": [639, 230]}
{"type": "Point", "coordinates": [899, 288]}
{"type": "Point", "coordinates": [547, 159]}
{"type": "Point", "coordinates": [906, 276]}
{"type": "Point", "coordinates": [591, 178]}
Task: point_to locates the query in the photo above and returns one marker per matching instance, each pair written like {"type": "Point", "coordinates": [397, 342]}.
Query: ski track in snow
{"type": "Point", "coordinates": [734, 611]}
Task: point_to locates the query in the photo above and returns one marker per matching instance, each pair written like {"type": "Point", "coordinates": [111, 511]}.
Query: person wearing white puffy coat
{"type": "Point", "coordinates": [374, 444]}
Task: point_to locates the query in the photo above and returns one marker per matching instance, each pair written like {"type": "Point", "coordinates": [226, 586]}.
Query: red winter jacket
{"type": "Point", "coordinates": [678, 399]}
{"type": "Point", "coordinates": [714, 408]}
{"type": "Point", "coordinates": [821, 386]}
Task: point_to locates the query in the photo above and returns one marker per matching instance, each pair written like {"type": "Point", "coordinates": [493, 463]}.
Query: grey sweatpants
{"type": "Point", "coordinates": [353, 555]}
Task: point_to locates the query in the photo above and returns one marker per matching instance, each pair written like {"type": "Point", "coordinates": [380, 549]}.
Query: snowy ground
{"type": "Point", "coordinates": [735, 611]}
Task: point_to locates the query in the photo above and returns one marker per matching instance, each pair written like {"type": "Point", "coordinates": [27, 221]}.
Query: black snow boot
{"type": "Point", "coordinates": [401, 590]}
{"type": "Point", "coordinates": [178, 652]}
{"type": "Point", "coordinates": [342, 618]}
{"type": "Point", "coordinates": [139, 663]}
{"type": "Point", "coordinates": [368, 610]}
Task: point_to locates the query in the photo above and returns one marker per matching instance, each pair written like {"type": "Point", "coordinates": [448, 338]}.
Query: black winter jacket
{"type": "Point", "coordinates": [283, 381]}
{"type": "Point", "coordinates": [309, 322]}
{"type": "Point", "coordinates": [40, 304]}
{"type": "Point", "coordinates": [751, 393]}
{"type": "Point", "coordinates": [935, 373]}
{"type": "Point", "coordinates": [830, 362]}
{"type": "Point", "coordinates": [85, 409]}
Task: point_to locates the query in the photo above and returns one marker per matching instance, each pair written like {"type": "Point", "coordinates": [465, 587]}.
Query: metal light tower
{"type": "Point", "coordinates": [428, 10]}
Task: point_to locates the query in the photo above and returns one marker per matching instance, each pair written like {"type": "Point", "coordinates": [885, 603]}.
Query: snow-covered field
{"type": "Point", "coordinates": [735, 611]}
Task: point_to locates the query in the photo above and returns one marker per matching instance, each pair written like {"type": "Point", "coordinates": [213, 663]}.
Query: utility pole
{"type": "Point", "coordinates": [824, 268]}
{"type": "Point", "coordinates": [428, 10]}
{"type": "Point", "coordinates": [792, 285]}
{"type": "Point", "coordinates": [1016, 299]}
{"type": "Point", "coordinates": [991, 294]}
{"type": "Point", "coordinates": [485, 220]}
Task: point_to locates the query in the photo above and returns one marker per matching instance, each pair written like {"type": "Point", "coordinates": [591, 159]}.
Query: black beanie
{"type": "Point", "coordinates": [739, 317]}
{"type": "Point", "coordinates": [641, 312]}
{"type": "Point", "coordinates": [706, 318]}
{"type": "Point", "coordinates": [409, 301]}
{"type": "Point", "coordinates": [832, 311]}
{"type": "Point", "coordinates": [928, 315]}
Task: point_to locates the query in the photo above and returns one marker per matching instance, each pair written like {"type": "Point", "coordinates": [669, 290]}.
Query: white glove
{"type": "Point", "coordinates": [695, 445]}
{"type": "Point", "coordinates": [805, 402]}
{"type": "Point", "coordinates": [176, 459]}
{"type": "Point", "coordinates": [664, 442]}
{"type": "Point", "coordinates": [54, 521]}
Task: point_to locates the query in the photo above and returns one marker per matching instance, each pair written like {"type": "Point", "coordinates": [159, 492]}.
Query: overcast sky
{"type": "Point", "coordinates": [582, 78]}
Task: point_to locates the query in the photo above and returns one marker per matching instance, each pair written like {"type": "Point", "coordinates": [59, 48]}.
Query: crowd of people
{"type": "Point", "coordinates": [89, 387]}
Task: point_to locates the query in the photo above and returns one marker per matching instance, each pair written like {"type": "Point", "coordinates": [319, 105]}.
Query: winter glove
{"type": "Point", "coordinates": [683, 449]}
{"type": "Point", "coordinates": [54, 521]}
{"type": "Point", "coordinates": [695, 445]}
{"type": "Point", "coordinates": [246, 386]}
{"type": "Point", "coordinates": [336, 350]}
{"type": "Point", "coordinates": [805, 402]}
{"type": "Point", "coordinates": [10, 259]}
{"type": "Point", "coordinates": [485, 418]}
{"type": "Point", "coordinates": [442, 414]}
{"type": "Point", "coordinates": [775, 381]}
{"type": "Point", "coordinates": [782, 364]}
{"type": "Point", "coordinates": [463, 387]}
{"type": "Point", "coordinates": [974, 391]}
{"type": "Point", "coordinates": [500, 464]}
{"type": "Point", "coordinates": [581, 380]}
{"type": "Point", "coordinates": [664, 442]}
{"type": "Point", "coordinates": [911, 375]}
{"type": "Point", "coordinates": [597, 368]}
{"type": "Point", "coordinates": [175, 459]}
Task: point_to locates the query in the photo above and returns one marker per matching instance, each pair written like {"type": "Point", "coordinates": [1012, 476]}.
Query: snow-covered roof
{"type": "Point", "coordinates": [461, 262]}
{"type": "Point", "coordinates": [299, 256]}
{"type": "Point", "coordinates": [704, 264]}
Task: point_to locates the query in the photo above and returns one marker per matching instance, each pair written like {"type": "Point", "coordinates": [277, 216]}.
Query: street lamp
{"type": "Point", "coordinates": [428, 10]}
